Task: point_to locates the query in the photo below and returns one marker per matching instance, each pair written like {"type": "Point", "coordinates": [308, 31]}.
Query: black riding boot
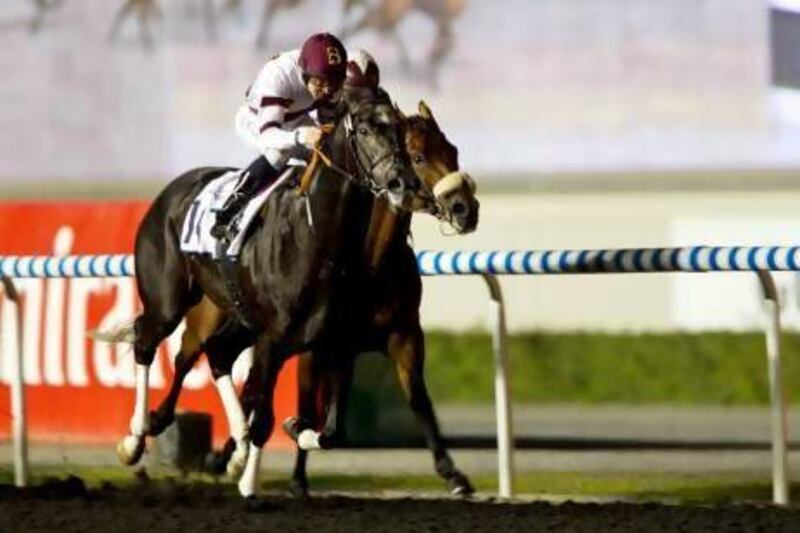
{"type": "Point", "coordinates": [259, 174]}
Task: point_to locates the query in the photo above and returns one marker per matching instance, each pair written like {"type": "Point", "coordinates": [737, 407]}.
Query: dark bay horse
{"type": "Point", "coordinates": [288, 269]}
{"type": "Point", "coordinates": [445, 192]}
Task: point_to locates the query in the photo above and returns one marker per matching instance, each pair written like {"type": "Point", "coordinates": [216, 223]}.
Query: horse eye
{"type": "Point", "coordinates": [418, 159]}
{"type": "Point", "coordinates": [363, 131]}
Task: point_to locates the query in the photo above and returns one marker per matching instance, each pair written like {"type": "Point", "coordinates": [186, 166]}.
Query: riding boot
{"type": "Point", "coordinates": [258, 175]}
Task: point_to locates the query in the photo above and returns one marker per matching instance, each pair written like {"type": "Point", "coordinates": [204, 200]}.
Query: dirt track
{"type": "Point", "coordinates": [69, 506]}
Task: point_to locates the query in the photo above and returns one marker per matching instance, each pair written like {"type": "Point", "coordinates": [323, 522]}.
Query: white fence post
{"type": "Point", "coordinates": [18, 412]}
{"type": "Point", "coordinates": [525, 262]}
{"type": "Point", "coordinates": [505, 432]}
{"type": "Point", "coordinates": [780, 459]}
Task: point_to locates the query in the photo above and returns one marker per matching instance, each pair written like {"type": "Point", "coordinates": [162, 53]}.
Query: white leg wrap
{"type": "Point", "coordinates": [308, 440]}
{"type": "Point", "coordinates": [249, 480]}
{"type": "Point", "coordinates": [237, 425]}
{"type": "Point", "coordinates": [139, 420]}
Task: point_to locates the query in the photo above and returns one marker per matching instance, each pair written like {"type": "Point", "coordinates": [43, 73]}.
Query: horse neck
{"type": "Point", "coordinates": [338, 212]}
{"type": "Point", "coordinates": [386, 228]}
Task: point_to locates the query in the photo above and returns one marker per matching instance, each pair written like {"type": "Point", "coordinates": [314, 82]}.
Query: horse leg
{"type": "Point", "coordinates": [219, 460]}
{"type": "Point", "coordinates": [201, 322]}
{"type": "Point", "coordinates": [147, 10]}
{"type": "Point", "coordinates": [359, 26]}
{"type": "Point", "coordinates": [332, 385]}
{"type": "Point", "coordinates": [443, 43]}
{"type": "Point", "coordinates": [270, 8]}
{"type": "Point", "coordinates": [232, 5]}
{"type": "Point", "coordinates": [164, 415]}
{"type": "Point", "coordinates": [406, 347]}
{"type": "Point", "coordinates": [338, 380]}
{"type": "Point", "coordinates": [119, 18]}
{"type": "Point", "coordinates": [210, 20]}
{"type": "Point", "coordinates": [222, 351]}
{"type": "Point", "coordinates": [38, 17]}
{"type": "Point", "coordinates": [167, 294]}
{"type": "Point", "coordinates": [306, 410]}
{"type": "Point", "coordinates": [267, 364]}
{"type": "Point", "coordinates": [405, 61]}
{"type": "Point", "coordinates": [150, 329]}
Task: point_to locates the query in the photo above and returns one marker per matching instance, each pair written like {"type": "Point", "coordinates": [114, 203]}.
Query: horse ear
{"type": "Point", "coordinates": [426, 113]}
{"type": "Point", "coordinates": [400, 113]}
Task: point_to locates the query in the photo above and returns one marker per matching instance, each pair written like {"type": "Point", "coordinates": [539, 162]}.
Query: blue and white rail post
{"type": "Point", "coordinates": [694, 259]}
{"type": "Point", "coordinates": [42, 267]}
{"type": "Point", "coordinates": [19, 423]}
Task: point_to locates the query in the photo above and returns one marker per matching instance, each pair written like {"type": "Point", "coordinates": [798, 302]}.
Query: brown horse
{"type": "Point", "coordinates": [388, 321]}
{"type": "Point", "coordinates": [271, 8]}
{"type": "Point", "coordinates": [385, 16]}
{"type": "Point", "coordinates": [449, 195]}
{"type": "Point", "coordinates": [148, 12]}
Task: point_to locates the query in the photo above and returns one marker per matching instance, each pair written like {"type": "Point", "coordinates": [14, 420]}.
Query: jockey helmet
{"type": "Point", "coordinates": [324, 56]}
{"type": "Point", "coordinates": [362, 70]}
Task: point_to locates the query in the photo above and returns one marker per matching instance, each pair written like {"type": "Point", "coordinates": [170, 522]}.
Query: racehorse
{"type": "Point", "coordinates": [288, 270]}
{"type": "Point", "coordinates": [386, 315]}
{"type": "Point", "coordinates": [148, 12]}
{"type": "Point", "coordinates": [385, 16]}
{"type": "Point", "coordinates": [271, 7]}
{"type": "Point", "coordinates": [388, 318]}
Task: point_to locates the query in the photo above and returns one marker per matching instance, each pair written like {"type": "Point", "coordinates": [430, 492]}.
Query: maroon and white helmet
{"type": "Point", "coordinates": [362, 70]}
{"type": "Point", "coordinates": [323, 55]}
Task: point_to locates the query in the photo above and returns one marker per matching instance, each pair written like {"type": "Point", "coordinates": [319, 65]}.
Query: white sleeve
{"type": "Point", "coordinates": [271, 135]}
{"type": "Point", "coordinates": [268, 97]}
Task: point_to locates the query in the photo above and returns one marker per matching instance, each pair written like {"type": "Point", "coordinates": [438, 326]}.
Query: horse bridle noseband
{"type": "Point", "coordinates": [363, 177]}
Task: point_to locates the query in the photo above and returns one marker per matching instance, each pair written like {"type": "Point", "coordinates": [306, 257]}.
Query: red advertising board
{"type": "Point", "coordinates": [78, 389]}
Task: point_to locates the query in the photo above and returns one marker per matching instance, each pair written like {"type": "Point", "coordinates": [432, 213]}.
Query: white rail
{"type": "Point", "coordinates": [695, 259]}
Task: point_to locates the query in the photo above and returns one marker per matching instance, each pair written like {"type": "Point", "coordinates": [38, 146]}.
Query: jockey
{"type": "Point", "coordinates": [282, 112]}
{"type": "Point", "coordinates": [362, 70]}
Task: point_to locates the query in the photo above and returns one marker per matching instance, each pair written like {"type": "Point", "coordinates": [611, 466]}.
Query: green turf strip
{"type": "Point", "coordinates": [637, 486]}
{"type": "Point", "coordinates": [715, 368]}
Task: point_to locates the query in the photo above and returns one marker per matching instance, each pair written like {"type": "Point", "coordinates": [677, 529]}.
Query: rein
{"type": "Point", "coordinates": [318, 157]}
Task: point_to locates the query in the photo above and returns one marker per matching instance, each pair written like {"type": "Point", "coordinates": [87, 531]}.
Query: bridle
{"type": "Point", "coordinates": [363, 177]}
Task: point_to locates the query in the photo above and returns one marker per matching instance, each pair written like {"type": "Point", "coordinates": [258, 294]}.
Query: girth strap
{"type": "Point", "coordinates": [228, 273]}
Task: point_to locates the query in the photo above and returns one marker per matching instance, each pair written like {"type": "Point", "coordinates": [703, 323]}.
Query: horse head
{"type": "Point", "coordinates": [446, 192]}
{"type": "Point", "coordinates": [371, 127]}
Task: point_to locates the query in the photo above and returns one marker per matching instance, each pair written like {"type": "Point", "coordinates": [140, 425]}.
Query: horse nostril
{"type": "Point", "coordinates": [395, 185]}
{"type": "Point", "coordinates": [459, 209]}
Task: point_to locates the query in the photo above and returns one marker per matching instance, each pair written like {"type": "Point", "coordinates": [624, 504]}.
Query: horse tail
{"type": "Point", "coordinates": [123, 332]}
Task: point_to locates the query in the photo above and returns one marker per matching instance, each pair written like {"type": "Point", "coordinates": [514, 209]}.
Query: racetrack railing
{"type": "Point", "coordinates": [489, 264]}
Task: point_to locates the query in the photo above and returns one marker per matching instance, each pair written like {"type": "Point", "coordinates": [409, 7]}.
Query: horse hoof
{"type": "Point", "coordinates": [216, 463]}
{"type": "Point", "coordinates": [299, 489]}
{"type": "Point", "coordinates": [460, 486]}
{"type": "Point", "coordinates": [130, 450]}
{"type": "Point", "coordinates": [254, 504]}
{"type": "Point", "coordinates": [238, 460]}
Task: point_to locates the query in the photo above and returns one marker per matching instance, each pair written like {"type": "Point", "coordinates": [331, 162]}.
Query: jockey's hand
{"type": "Point", "coordinates": [309, 136]}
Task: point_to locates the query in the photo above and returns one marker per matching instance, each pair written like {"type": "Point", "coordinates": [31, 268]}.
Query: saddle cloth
{"type": "Point", "coordinates": [200, 218]}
